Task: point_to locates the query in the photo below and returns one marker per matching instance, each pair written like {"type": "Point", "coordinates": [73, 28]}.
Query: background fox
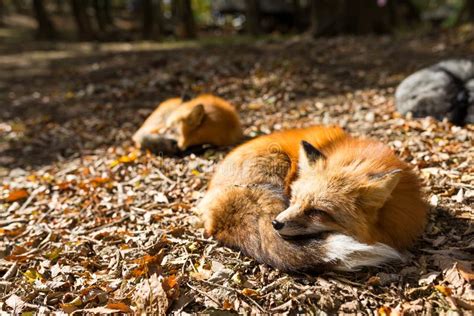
{"type": "Point", "coordinates": [348, 203]}
{"type": "Point", "coordinates": [177, 124]}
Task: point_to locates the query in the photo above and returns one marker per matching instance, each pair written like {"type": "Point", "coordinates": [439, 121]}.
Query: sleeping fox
{"type": "Point", "coordinates": [306, 199]}
{"type": "Point", "coordinates": [177, 124]}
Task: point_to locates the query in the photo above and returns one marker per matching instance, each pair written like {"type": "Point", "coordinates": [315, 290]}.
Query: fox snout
{"type": "Point", "coordinates": [277, 225]}
{"type": "Point", "coordinates": [293, 222]}
{"type": "Point", "coordinates": [159, 144]}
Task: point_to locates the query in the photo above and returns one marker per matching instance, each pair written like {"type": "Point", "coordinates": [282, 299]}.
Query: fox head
{"type": "Point", "coordinates": [340, 190]}
{"type": "Point", "coordinates": [181, 124]}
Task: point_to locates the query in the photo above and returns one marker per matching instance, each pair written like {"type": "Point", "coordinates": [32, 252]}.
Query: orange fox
{"type": "Point", "coordinates": [177, 124]}
{"type": "Point", "coordinates": [314, 198]}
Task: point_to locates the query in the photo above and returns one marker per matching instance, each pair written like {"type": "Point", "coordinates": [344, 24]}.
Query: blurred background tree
{"type": "Point", "coordinates": [119, 20]}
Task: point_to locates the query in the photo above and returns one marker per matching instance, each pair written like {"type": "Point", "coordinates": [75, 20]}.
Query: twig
{"type": "Point", "coordinates": [464, 304]}
{"type": "Point", "coordinates": [205, 294]}
{"type": "Point", "coordinates": [283, 306]}
{"type": "Point", "coordinates": [345, 281]}
{"type": "Point", "coordinates": [11, 272]}
{"type": "Point", "coordinates": [238, 293]}
{"type": "Point", "coordinates": [123, 219]}
{"type": "Point", "coordinates": [273, 285]}
{"type": "Point", "coordinates": [11, 221]}
{"type": "Point", "coordinates": [162, 175]}
{"type": "Point", "coordinates": [30, 198]}
{"type": "Point", "coordinates": [461, 185]}
{"type": "Point", "coordinates": [210, 240]}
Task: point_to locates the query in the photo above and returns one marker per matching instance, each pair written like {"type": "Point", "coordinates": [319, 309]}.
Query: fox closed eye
{"type": "Point", "coordinates": [316, 212]}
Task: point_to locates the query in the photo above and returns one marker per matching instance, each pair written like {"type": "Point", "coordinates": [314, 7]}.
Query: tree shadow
{"type": "Point", "coordinates": [76, 104]}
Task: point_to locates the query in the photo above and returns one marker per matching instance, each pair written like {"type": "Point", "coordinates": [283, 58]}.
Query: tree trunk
{"type": "Point", "coordinates": [364, 17]}
{"type": "Point", "coordinates": [107, 13]}
{"type": "Point", "coordinates": [252, 16]}
{"type": "Point", "coordinates": [298, 15]}
{"type": "Point", "coordinates": [325, 17]}
{"type": "Point", "coordinates": [45, 28]}
{"type": "Point", "coordinates": [413, 13]}
{"type": "Point", "coordinates": [147, 18]}
{"type": "Point", "coordinates": [160, 25]}
{"type": "Point", "coordinates": [2, 13]}
{"type": "Point", "coordinates": [467, 12]}
{"type": "Point", "coordinates": [60, 7]}
{"type": "Point", "coordinates": [99, 11]}
{"type": "Point", "coordinates": [19, 6]}
{"type": "Point", "coordinates": [331, 17]}
{"type": "Point", "coordinates": [470, 10]}
{"type": "Point", "coordinates": [83, 23]}
{"type": "Point", "coordinates": [152, 15]}
{"type": "Point", "coordinates": [102, 15]}
{"type": "Point", "coordinates": [185, 25]}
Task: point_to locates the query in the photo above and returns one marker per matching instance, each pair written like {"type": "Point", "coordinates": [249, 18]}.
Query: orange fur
{"type": "Point", "coordinates": [350, 198]}
{"type": "Point", "coordinates": [206, 119]}
{"type": "Point", "coordinates": [360, 189]}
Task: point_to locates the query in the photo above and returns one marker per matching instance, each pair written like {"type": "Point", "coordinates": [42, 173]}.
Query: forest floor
{"type": "Point", "coordinates": [89, 224]}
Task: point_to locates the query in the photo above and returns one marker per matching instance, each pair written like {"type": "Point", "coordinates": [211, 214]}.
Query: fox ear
{"type": "Point", "coordinates": [195, 116]}
{"type": "Point", "coordinates": [308, 155]}
{"type": "Point", "coordinates": [381, 186]}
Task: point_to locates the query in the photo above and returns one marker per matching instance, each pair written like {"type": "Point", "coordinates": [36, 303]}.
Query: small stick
{"type": "Point", "coordinates": [238, 293]}
{"type": "Point", "coordinates": [30, 198]}
{"type": "Point", "coordinates": [461, 185]}
{"type": "Point", "coordinates": [11, 271]}
{"type": "Point", "coordinates": [204, 293]}
{"type": "Point", "coordinates": [123, 219]}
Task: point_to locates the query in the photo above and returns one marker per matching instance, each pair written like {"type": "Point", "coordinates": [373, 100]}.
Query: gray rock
{"type": "Point", "coordinates": [444, 90]}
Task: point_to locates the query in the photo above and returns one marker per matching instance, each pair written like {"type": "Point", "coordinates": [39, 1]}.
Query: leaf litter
{"type": "Point", "coordinates": [90, 225]}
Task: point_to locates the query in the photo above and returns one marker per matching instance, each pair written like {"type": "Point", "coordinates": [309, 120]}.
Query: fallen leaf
{"type": "Point", "coordinates": [384, 311]}
{"type": "Point", "coordinates": [145, 263]}
{"type": "Point", "coordinates": [12, 232]}
{"type": "Point", "coordinates": [16, 303]}
{"type": "Point", "coordinates": [428, 278]}
{"type": "Point", "coordinates": [150, 297]}
{"type": "Point", "coordinates": [446, 291]}
{"type": "Point", "coordinates": [171, 281]}
{"type": "Point", "coordinates": [31, 275]}
{"type": "Point", "coordinates": [17, 195]}
{"type": "Point", "coordinates": [373, 281]}
{"type": "Point", "coordinates": [227, 305]}
{"type": "Point", "coordinates": [120, 306]}
{"type": "Point", "coordinates": [131, 157]}
{"type": "Point", "coordinates": [249, 292]}
{"type": "Point", "coordinates": [467, 274]}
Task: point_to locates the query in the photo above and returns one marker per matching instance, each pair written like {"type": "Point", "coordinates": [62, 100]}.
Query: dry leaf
{"type": "Point", "coordinates": [227, 305]}
{"type": "Point", "coordinates": [32, 275]}
{"type": "Point", "coordinates": [17, 195]}
{"type": "Point", "coordinates": [467, 274]}
{"type": "Point", "coordinates": [12, 232]}
{"type": "Point", "coordinates": [150, 297]}
{"type": "Point", "coordinates": [384, 311]}
{"type": "Point", "coordinates": [446, 291]}
{"type": "Point", "coordinates": [120, 306]}
{"type": "Point", "coordinates": [249, 292]}
{"type": "Point", "coordinates": [131, 157]}
{"type": "Point", "coordinates": [15, 303]}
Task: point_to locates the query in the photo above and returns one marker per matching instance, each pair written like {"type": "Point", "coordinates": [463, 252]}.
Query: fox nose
{"type": "Point", "coordinates": [277, 225]}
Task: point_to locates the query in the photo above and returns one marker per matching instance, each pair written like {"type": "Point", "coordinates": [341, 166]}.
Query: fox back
{"type": "Point", "coordinates": [177, 125]}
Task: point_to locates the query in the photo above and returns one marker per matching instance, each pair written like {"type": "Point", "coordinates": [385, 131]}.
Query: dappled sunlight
{"type": "Point", "coordinates": [89, 223]}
